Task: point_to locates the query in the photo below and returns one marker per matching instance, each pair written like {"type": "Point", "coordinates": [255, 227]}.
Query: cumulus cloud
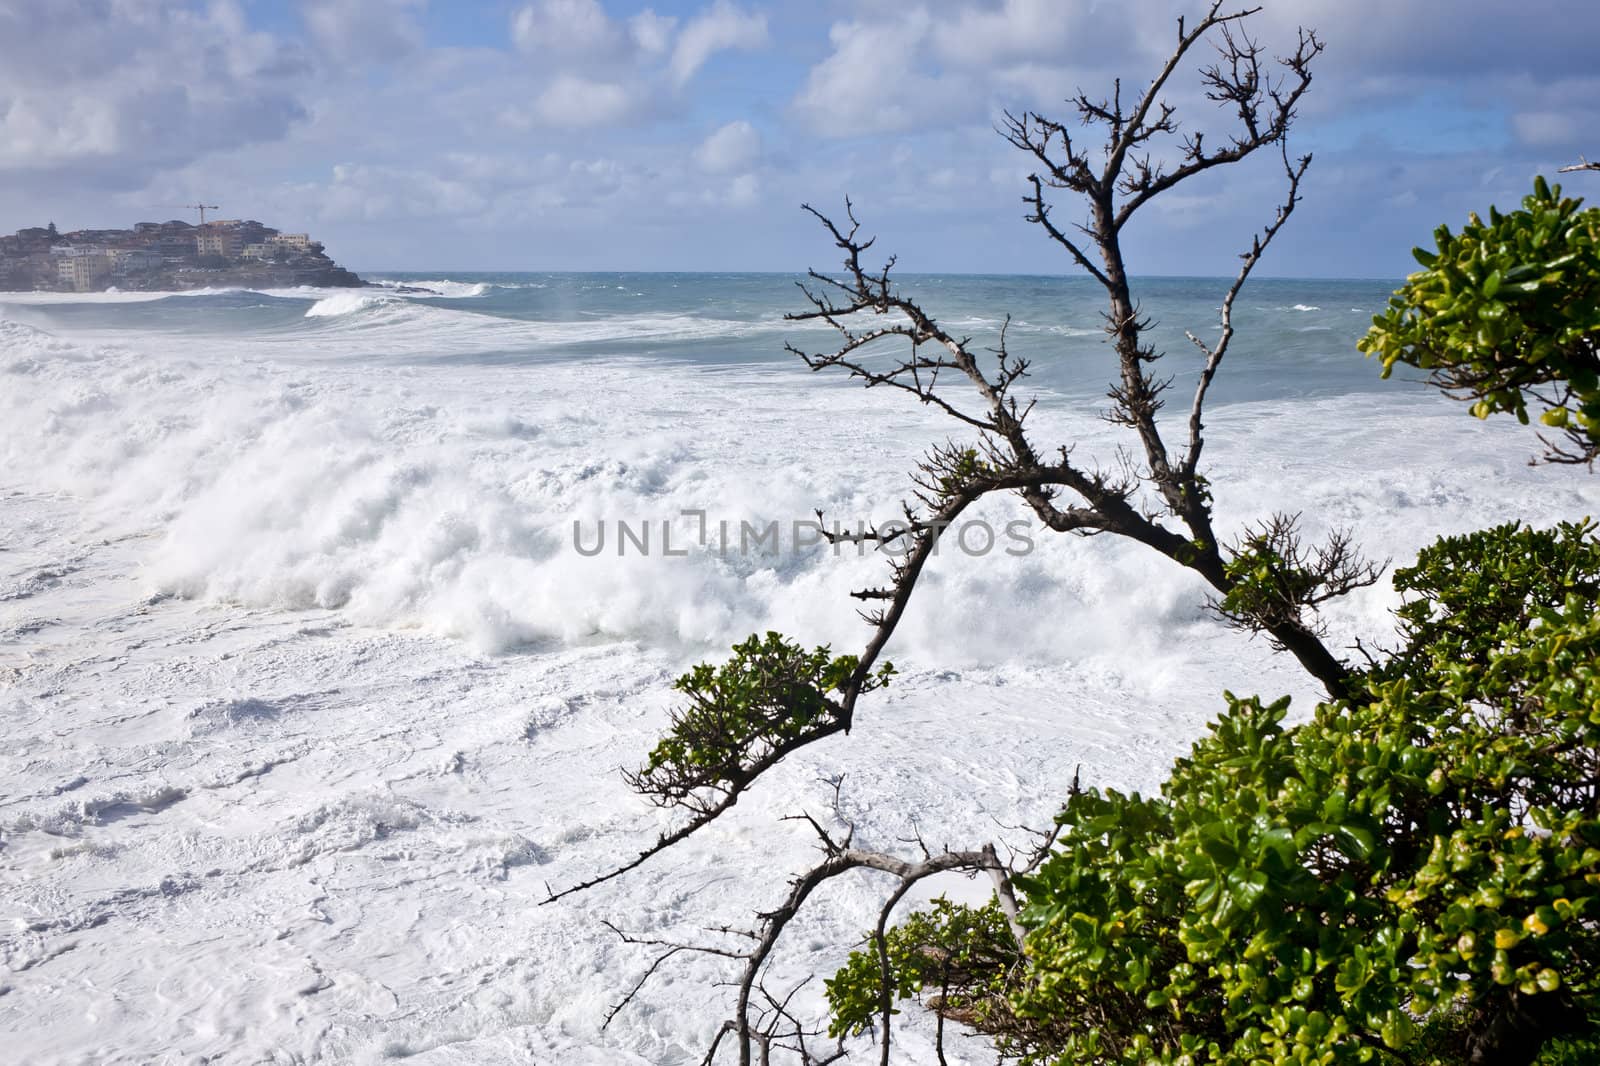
{"type": "Point", "coordinates": [364, 31]}
{"type": "Point", "coordinates": [732, 147]}
{"type": "Point", "coordinates": [744, 191]}
{"type": "Point", "coordinates": [875, 80]}
{"type": "Point", "coordinates": [598, 114]}
{"type": "Point", "coordinates": [895, 67]}
{"type": "Point", "coordinates": [1016, 29]}
{"type": "Point", "coordinates": [568, 25]}
{"type": "Point", "coordinates": [570, 33]}
{"type": "Point", "coordinates": [652, 32]}
{"type": "Point", "coordinates": [464, 188]}
{"type": "Point", "coordinates": [573, 101]}
{"type": "Point", "coordinates": [100, 95]}
{"type": "Point", "coordinates": [603, 70]}
{"type": "Point", "coordinates": [373, 192]}
{"type": "Point", "coordinates": [721, 27]}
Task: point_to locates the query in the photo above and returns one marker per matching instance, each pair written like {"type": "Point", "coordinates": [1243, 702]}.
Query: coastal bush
{"type": "Point", "coordinates": [1412, 876]}
{"type": "Point", "coordinates": [772, 695]}
{"type": "Point", "coordinates": [1409, 877]}
{"type": "Point", "coordinates": [1506, 311]}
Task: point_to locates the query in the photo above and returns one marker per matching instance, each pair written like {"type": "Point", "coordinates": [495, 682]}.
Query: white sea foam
{"type": "Point", "coordinates": [346, 303]}
{"type": "Point", "coordinates": [117, 296]}
{"type": "Point", "coordinates": [419, 500]}
{"type": "Point", "coordinates": [442, 287]}
{"type": "Point", "coordinates": [24, 298]}
{"type": "Point", "coordinates": [307, 695]}
{"type": "Point", "coordinates": [402, 325]}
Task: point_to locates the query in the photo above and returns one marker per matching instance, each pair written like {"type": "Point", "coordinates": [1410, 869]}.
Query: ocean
{"type": "Point", "coordinates": [313, 683]}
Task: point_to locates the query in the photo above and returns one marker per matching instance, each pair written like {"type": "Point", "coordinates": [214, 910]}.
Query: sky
{"type": "Point", "coordinates": [684, 135]}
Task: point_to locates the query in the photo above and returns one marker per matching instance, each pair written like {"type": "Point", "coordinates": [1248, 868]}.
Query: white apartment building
{"type": "Point", "coordinates": [83, 271]}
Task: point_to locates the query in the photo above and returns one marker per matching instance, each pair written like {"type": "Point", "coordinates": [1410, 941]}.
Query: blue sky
{"type": "Point", "coordinates": [684, 134]}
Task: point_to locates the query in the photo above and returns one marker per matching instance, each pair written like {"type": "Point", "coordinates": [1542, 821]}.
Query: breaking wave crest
{"type": "Point", "coordinates": [349, 303]}
{"type": "Point", "coordinates": [442, 287]}
{"type": "Point", "coordinates": [430, 501]}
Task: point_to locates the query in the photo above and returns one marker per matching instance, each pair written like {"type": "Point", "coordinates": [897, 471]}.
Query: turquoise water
{"type": "Point", "coordinates": [1294, 337]}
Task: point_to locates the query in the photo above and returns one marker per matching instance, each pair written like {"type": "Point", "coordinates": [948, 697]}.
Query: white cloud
{"type": "Point", "coordinates": [382, 192]}
{"type": "Point", "coordinates": [1016, 29]}
{"type": "Point", "coordinates": [568, 26]}
{"type": "Point", "coordinates": [875, 81]}
{"type": "Point", "coordinates": [722, 27]}
{"type": "Point", "coordinates": [468, 190]}
{"type": "Point", "coordinates": [652, 32]}
{"type": "Point", "coordinates": [732, 147]}
{"type": "Point", "coordinates": [580, 42]}
{"type": "Point", "coordinates": [573, 101]}
{"type": "Point", "coordinates": [744, 191]}
{"type": "Point", "coordinates": [550, 135]}
{"type": "Point", "coordinates": [100, 94]}
{"type": "Point", "coordinates": [364, 31]}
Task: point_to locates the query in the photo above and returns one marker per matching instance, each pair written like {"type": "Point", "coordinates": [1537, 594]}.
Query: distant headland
{"type": "Point", "coordinates": [166, 256]}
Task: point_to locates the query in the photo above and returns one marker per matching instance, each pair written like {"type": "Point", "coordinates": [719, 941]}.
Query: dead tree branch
{"type": "Point", "coordinates": [886, 338]}
{"type": "Point", "coordinates": [754, 1025]}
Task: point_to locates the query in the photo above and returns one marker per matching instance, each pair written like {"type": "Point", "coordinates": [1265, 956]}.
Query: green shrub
{"type": "Point", "coordinates": [1570, 1053]}
{"type": "Point", "coordinates": [1506, 310]}
{"type": "Point", "coordinates": [772, 694]}
{"type": "Point", "coordinates": [963, 958]}
{"type": "Point", "coordinates": [1412, 876]}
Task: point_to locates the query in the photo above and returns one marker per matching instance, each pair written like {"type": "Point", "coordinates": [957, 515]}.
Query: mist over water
{"type": "Point", "coordinates": [307, 694]}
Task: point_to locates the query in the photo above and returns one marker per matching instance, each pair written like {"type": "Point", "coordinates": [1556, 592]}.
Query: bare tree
{"type": "Point", "coordinates": [1267, 582]}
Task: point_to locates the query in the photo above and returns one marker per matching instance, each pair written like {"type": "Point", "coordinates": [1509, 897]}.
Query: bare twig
{"type": "Point", "coordinates": [884, 337]}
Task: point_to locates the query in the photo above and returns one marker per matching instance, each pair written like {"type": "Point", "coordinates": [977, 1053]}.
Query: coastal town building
{"type": "Point", "coordinates": [177, 244]}
{"type": "Point", "coordinates": [134, 260]}
{"type": "Point", "coordinates": [165, 255]}
{"type": "Point", "coordinates": [83, 273]}
{"type": "Point", "coordinates": [229, 237]}
{"type": "Point", "coordinates": [214, 242]}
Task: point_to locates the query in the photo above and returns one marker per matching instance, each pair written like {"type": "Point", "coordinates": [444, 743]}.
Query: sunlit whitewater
{"type": "Point", "coordinates": [308, 697]}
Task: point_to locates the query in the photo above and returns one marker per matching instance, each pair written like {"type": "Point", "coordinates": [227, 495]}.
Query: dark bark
{"type": "Point", "coordinates": [1513, 1033]}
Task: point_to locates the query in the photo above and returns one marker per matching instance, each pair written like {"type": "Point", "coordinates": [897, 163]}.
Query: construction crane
{"type": "Point", "coordinates": [202, 208]}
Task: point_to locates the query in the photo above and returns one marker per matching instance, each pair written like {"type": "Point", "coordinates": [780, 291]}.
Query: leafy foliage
{"type": "Point", "coordinates": [1570, 1053]}
{"type": "Point", "coordinates": [1276, 582]}
{"type": "Point", "coordinates": [962, 958]}
{"type": "Point", "coordinates": [745, 712]}
{"type": "Point", "coordinates": [1506, 310]}
{"type": "Point", "coordinates": [1466, 589]}
{"type": "Point", "coordinates": [1412, 876]}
